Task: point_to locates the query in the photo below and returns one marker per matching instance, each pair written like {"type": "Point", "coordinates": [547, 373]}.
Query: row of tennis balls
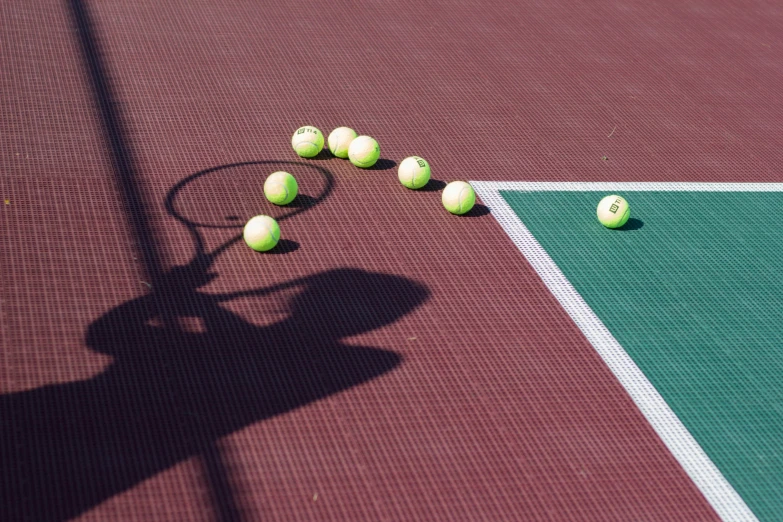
{"type": "Point", "coordinates": [344, 142]}
{"type": "Point", "coordinates": [262, 233]}
{"type": "Point", "coordinates": [364, 151]}
{"type": "Point", "coordinates": [414, 172]}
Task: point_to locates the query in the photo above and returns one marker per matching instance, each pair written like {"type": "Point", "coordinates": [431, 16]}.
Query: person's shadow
{"type": "Point", "coordinates": [171, 392]}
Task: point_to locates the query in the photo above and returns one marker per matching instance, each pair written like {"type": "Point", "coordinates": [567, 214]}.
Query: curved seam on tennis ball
{"type": "Point", "coordinates": [414, 168]}
{"type": "Point", "coordinates": [427, 170]}
{"type": "Point", "coordinates": [270, 230]}
{"type": "Point", "coordinates": [346, 147]}
{"type": "Point", "coordinates": [412, 173]}
{"type": "Point", "coordinates": [314, 144]}
{"type": "Point", "coordinates": [459, 199]}
{"type": "Point", "coordinates": [364, 163]}
{"type": "Point", "coordinates": [339, 142]}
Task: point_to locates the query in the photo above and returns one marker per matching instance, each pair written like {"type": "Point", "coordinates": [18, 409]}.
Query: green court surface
{"type": "Point", "coordinates": [692, 289]}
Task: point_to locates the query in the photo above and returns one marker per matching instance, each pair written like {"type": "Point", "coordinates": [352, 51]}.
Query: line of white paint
{"type": "Point", "coordinates": [713, 485]}
{"type": "Point", "coordinates": [624, 186]}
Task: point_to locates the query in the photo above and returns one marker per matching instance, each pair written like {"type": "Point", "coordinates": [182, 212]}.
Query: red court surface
{"type": "Point", "coordinates": [391, 361]}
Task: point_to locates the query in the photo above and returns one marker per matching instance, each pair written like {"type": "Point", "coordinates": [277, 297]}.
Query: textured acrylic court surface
{"type": "Point", "coordinates": [391, 361]}
{"type": "Point", "coordinates": [692, 289]}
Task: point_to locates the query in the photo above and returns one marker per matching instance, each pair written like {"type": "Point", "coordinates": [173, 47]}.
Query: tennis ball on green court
{"type": "Point", "coordinates": [339, 139]}
{"type": "Point", "coordinates": [364, 152]}
{"type": "Point", "coordinates": [307, 141]}
{"type": "Point", "coordinates": [414, 172]}
{"type": "Point", "coordinates": [458, 197]}
{"type": "Point", "coordinates": [613, 211]}
{"type": "Point", "coordinates": [261, 233]}
{"type": "Point", "coordinates": [280, 188]}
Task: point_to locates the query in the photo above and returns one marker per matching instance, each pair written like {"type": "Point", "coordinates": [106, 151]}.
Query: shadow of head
{"type": "Point", "coordinates": [345, 302]}
{"type": "Point", "coordinates": [186, 278]}
{"type": "Point", "coordinates": [329, 305]}
{"type": "Point", "coordinates": [208, 383]}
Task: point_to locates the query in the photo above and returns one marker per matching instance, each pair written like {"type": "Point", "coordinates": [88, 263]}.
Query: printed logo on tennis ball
{"type": "Point", "coordinates": [613, 211]}
{"type": "Point", "coordinates": [280, 188]}
{"type": "Point", "coordinates": [458, 197]}
{"type": "Point", "coordinates": [414, 172]}
{"type": "Point", "coordinates": [364, 151]}
{"type": "Point", "coordinates": [261, 233]}
{"type": "Point", "coordinates": [339, 140]}
{"type": "Point", "coordinates": [307, 141]}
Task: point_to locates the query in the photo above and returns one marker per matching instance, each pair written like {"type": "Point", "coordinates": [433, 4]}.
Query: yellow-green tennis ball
{"type": "Point", "coordinates": [307, 141]}
{"type": "Point", "coordinates": [364, 152]}
{"type": "Point", "coordinates": [280, 188]}
{"type": "Point", "coordinates": [261, 233]}
{"type": "Point", "coordinates": [339, 140]}
{"type": "Point", "coordinates": [458, 197]}
{"type": "Point", "coordinates": [414, 172]}
{"type": "Point", "coordinates": [613, 211]}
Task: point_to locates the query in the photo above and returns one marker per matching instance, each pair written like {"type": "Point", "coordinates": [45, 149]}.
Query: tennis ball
{"type": "Point", "coordinates": [414, 172]}
{"type": "Point", "coordinates": [261, 233]}
{"type": "Point", "coordinates": [307, 141]}
{"type": "Point", "coordinates": [458, 197]}
{"type": "Point", "coordinates": [339, 139]}
{"type": "Point", "coordinates": [613, 211]}
{"type": "Point", "coordinates": [280, 188]}
{"type": "Point", "coordinates": [364, 152]}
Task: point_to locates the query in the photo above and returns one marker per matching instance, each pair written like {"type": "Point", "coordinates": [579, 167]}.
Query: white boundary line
{"type": "Point", "coordinates": [713, 485]}
{"type": "Point", "coordinates": [622, 186]}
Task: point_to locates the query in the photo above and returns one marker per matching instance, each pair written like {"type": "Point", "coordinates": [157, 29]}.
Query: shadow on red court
{"type": "Point", "coordinates": [170, 394]}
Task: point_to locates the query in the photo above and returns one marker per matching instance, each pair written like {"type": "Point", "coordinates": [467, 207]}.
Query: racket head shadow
{"type": "Point", "coordinates": [224, 198]}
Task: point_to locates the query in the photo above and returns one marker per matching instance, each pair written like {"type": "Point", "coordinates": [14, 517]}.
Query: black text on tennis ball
{"type": "Point", "coordinates": [613, 211]}
{"type": "Point", "coordinates": [307, 141]}
{"type": "Point", "coordinates": [458, 197]}
{"type": "Point", "coordinates": [280, 188]}
{"type": "Point", "coordinates": [364, 151]}
{"type": "Point", "coordinates": [414, 172]}
{"type": "Point", "coordinates": [261, 233]}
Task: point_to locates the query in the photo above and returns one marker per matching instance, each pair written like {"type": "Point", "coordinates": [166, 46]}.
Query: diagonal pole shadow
{"type": "Point", "coordinates": [133, 203]}
{"type": "Point", "coordinates": [114, 133]}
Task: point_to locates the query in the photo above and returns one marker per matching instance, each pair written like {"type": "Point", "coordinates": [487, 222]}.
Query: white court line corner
{"type": "Point", "coordinates": [683, 446]}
